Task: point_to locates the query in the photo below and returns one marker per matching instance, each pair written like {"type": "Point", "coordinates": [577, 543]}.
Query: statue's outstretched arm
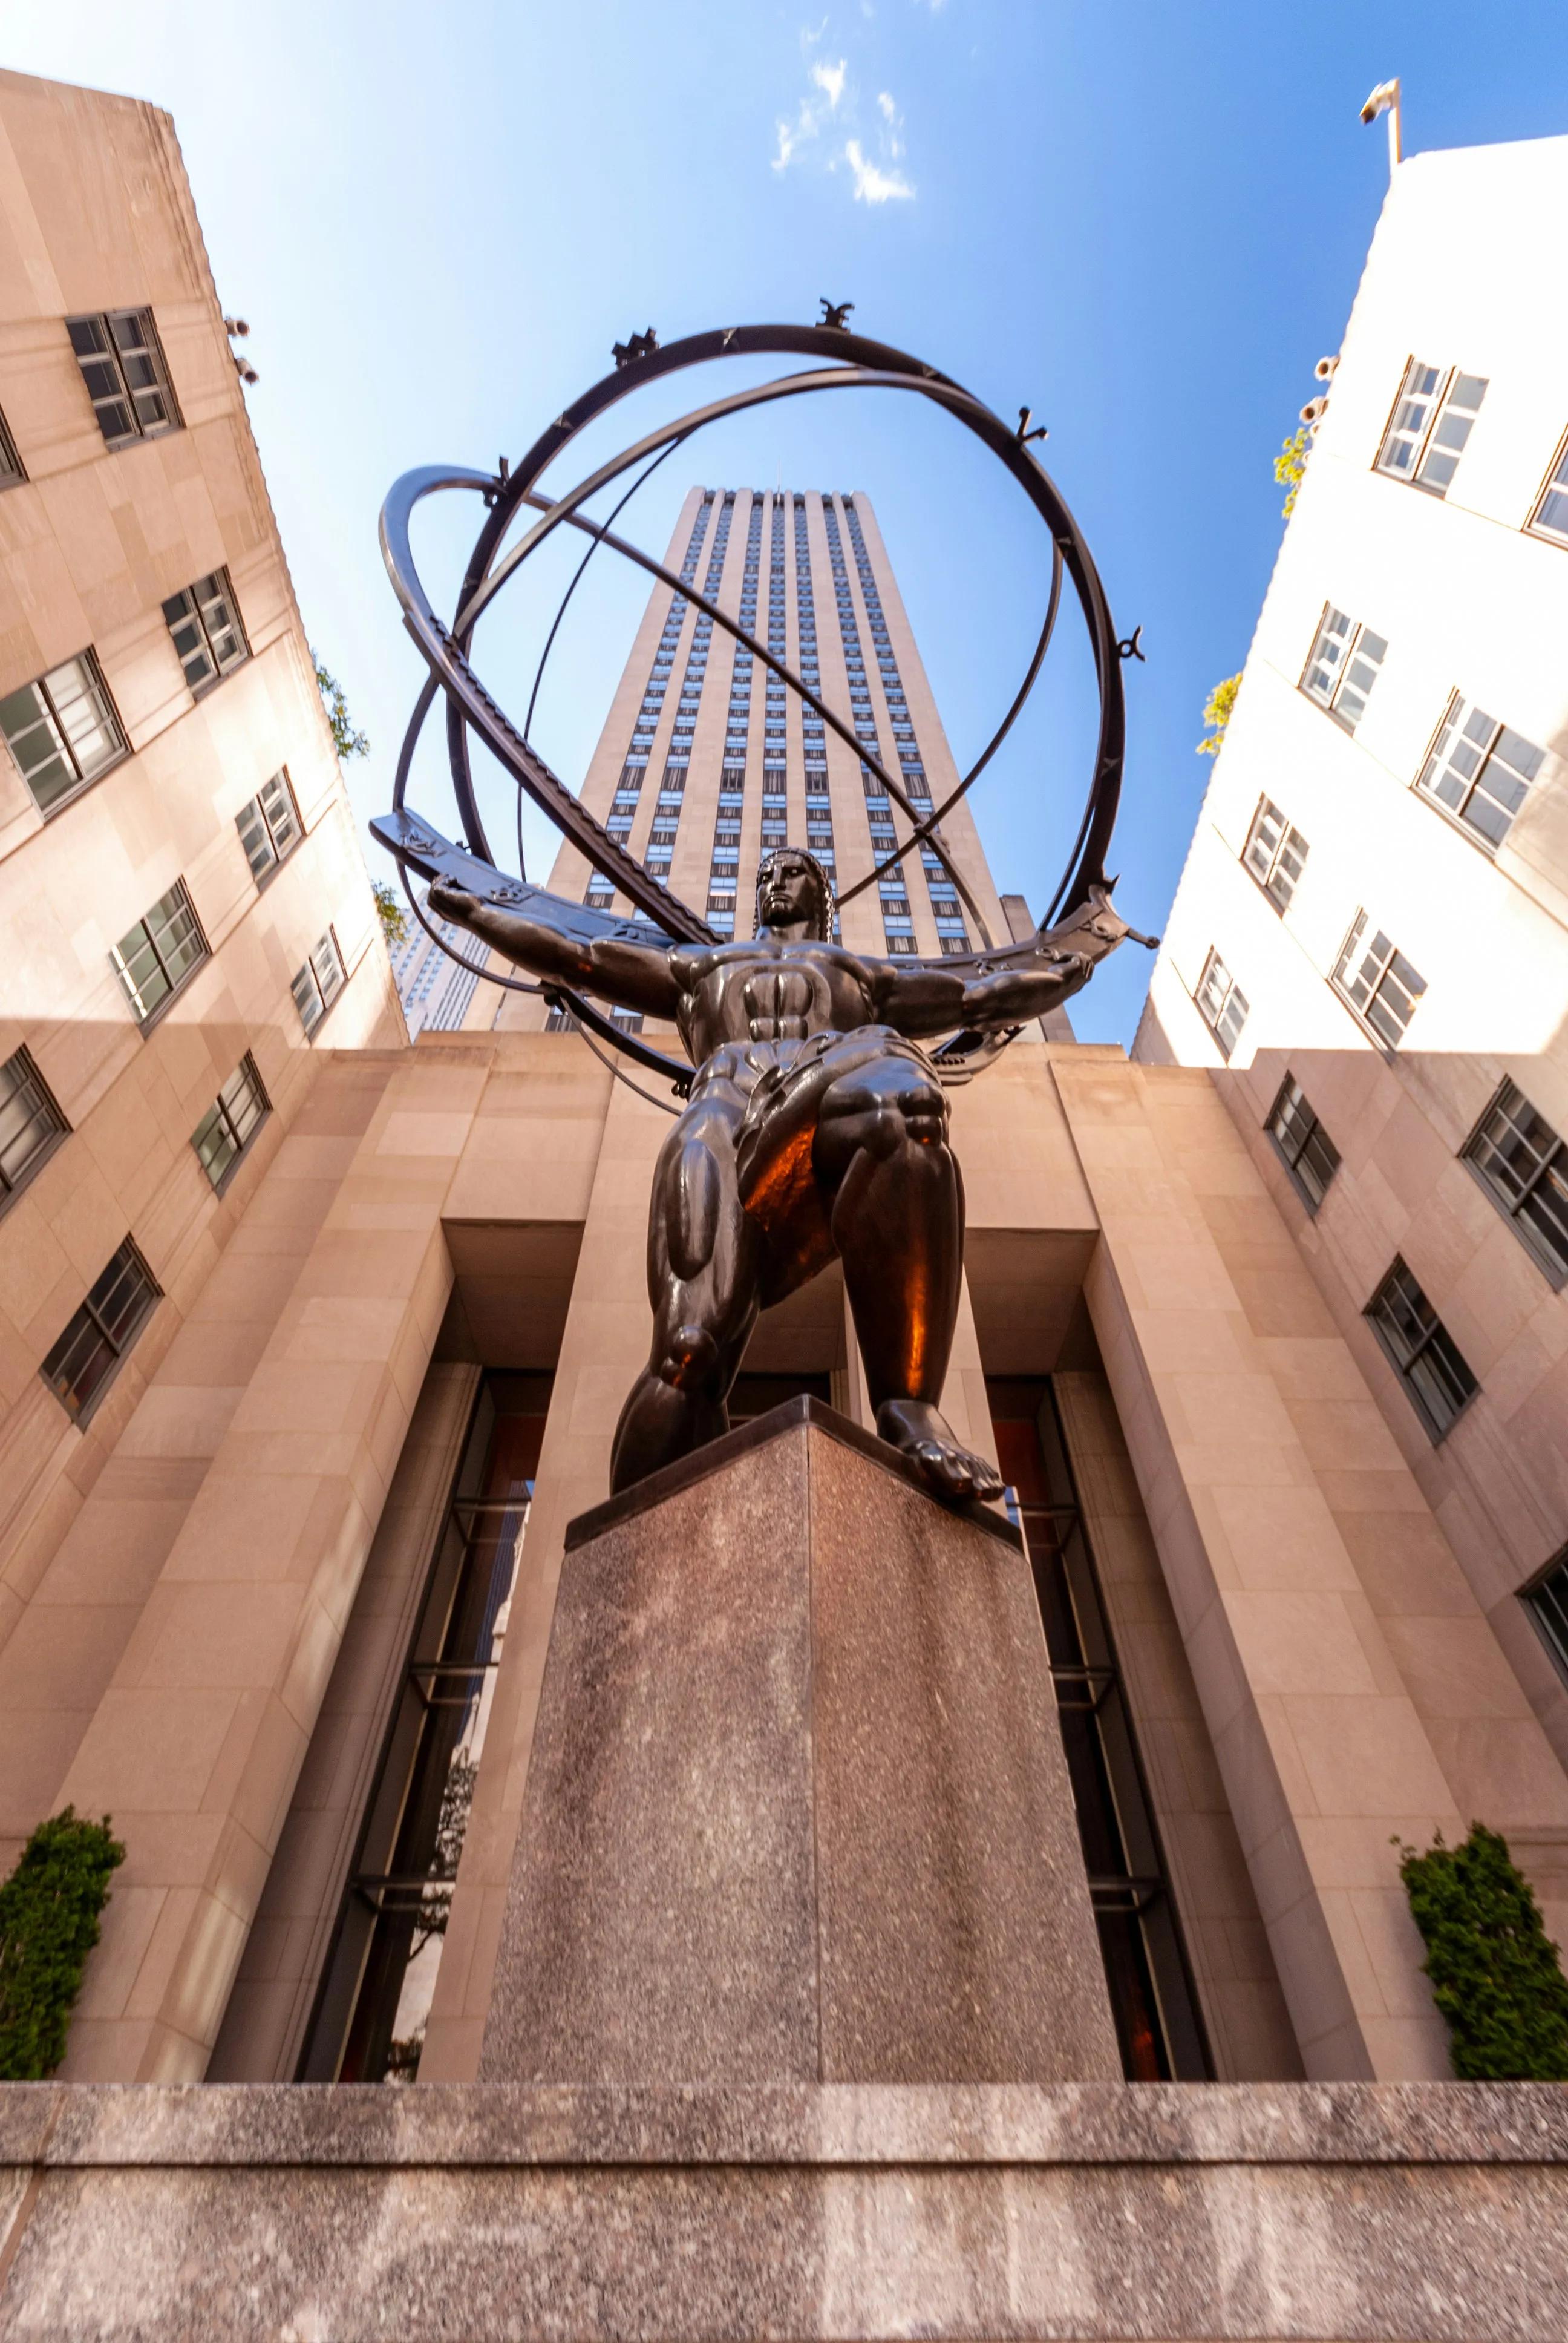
{"type": "Point", "coordinates": [633, 976]}
{"type": "Point", "coordinates": [1011, 986]}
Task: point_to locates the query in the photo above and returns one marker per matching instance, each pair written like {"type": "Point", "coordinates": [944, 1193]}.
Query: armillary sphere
{"type": "Point", "coordinates": [840, 360]}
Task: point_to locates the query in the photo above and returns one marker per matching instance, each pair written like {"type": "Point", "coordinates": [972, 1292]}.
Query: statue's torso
{"type": "Point", "coordinates": [758, 990]}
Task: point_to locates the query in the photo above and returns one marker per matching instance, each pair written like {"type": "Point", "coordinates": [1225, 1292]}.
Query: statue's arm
{"type": "Point", "coordinates": [925, 1001]}
{"type": "Point", "coordinates": [633, 976]}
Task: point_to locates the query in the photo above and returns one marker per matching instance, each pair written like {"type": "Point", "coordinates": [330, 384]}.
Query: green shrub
{"type": "Point", "coordinates": [1494, 1971]}
{"type": "Point", "coordinates": [1217, 710]}
{"type": "Point", "coordinates": [49, 1911]}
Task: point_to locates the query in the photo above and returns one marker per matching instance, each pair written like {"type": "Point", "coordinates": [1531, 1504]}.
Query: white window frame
{"type": "Point", "coordinates": [319, 982]}
{"type": "Point", "coordinates": [176, 947]}
{"type": "Point", "coordinates": [1429, 426]}
{"type": "Point", "coordinates": [1554, 492]}
{"type": "Point", "coordinates": [58, 699]}
{"type": "Point", "coordinates": [1214, 996]}
{"type": "Point", "coordinates": [229, 1125]}
{"type": "Point", "coordinates": [206, 614]}
{"type": "Point", "coordinates": [1341, 648]}
{"type": "Point", "coordinates": [273, 818]}
{"type": "Point", "coordinates": [1275, 855]}
{"type": "Point", "coordinates": [1468, 733]}
{"type": "Point", "coordinates": [1387, 980]}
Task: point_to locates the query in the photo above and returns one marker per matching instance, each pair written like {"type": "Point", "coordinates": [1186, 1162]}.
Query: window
{"type": "Point", "coordinates": [1344, 668]}
{"type": "Point", "coordinates": [62, 730]}
{"type": "Point", "coordinates": [1378, 982]}
{"type": "Point", "coordinates": [31, 1125]}
{"type": "Point", "coordinates": [10, 462]}
{"type": "Point", "coordinates": [86, 1359]}
{"type": "Point", "coordinates": [1221, 1003]}
{"type": "Point", "coordinates": [1550, 518]}
{"type": "Point", "coordinates": [1547, 1604]}
{"type": "Point", "coordinates": [317, 984]}
{"type": "Point", "coordinates": [1275, 854]}
{"type": "Point", "coordinates": [1480, 770]}
{"type": "Point", "coordinates": [1521, 1162]}
{"type": "Point", "coordinates": [1421, 1350]}
{"type": "Point", "coordinates": [1429, 426]}
{"type": "Point", "coordinates": [155, 957]}
{"type": "Point", "coordinates": [1305, 1148]}
{"type": "Point", "coordinates": [269, 827]}
{"type": "Point", "coordinates": [126, 378]}
{"type": "Point", "coordinates": [204, 620]}
{"type": "Point", "coordinates": [231, 1123]}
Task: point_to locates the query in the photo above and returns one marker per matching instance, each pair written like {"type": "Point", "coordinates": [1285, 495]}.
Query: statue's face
{"type": "Point", "coordinates": [790, 894]}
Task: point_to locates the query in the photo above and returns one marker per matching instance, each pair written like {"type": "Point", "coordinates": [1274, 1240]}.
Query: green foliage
{"type": "Point", "coordinates": [1218, 710]}
{"type": "Point", "coordinates": [390, 911]}
{"type": "Point", "coordinates": [345, 738]}
{"type": "Point", "coordinates": [1290, 465]}
{"type": "Point", "coordinates": [1494, 1971]}
{"type": "Point", "coordinates": [49, 1911]}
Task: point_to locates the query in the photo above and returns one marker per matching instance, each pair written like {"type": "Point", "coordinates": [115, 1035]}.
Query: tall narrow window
{"type": "Point", "coordinates": [1480, 770]}
{"type": "Point", "coordinates": [155, 958]}
{"type": "Point", "coordinates": [1523, 1167]}
{"type": "Point", "coordinates": [1550, 518]}
{"type": "Point", "coordinates": [1275, 854]}
{"type": "Point", "coordinates": [231, 1123]}
{"type": "Point", "coordinates": [1424, 1353]}
{"type": "Point", "coordinates": [87, 1356]}
{"type": "Point", "coordinates": [1378, 982]}
{"type": "Point", "coordinates": [31, 1124]}
{"type": "Point", "coordinates": [1307, 1151]}
{"type": "Point", "coordinates": [10, 462]}
{"type": "Point", "coordinates": [269, 826]}
{"type": "Point", "coordinates": [62, 730]}
{"type": "Point", "coordinates": [370, 2016]}
{"type": "Point", "coordinates": [1151, 1997]}
{"type": "Point", "coordinates": [317, 984]}
{"type": "Point", "coordinates": [123, 367]}
{"type": "Point", "coordinates": [1221, 1003]}
{"type": "Point", "coordinates": [1343, 667]}
{"type": "Point", "coordinates": [208, 637]}
{"type": "Point", "coordinates": [1432, 421]}
{"type": "Point", "coordinates": [1547, 1604]}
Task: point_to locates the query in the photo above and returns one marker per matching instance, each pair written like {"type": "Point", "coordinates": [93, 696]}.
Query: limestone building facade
{"type": "Point", "coordinates": [288, 1619]}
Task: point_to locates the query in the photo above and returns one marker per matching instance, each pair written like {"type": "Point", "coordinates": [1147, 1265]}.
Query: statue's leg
{"type": "Point", "coordinates": [702, 1281]}
{"type": "Point", "coordinates": [898, 1221]}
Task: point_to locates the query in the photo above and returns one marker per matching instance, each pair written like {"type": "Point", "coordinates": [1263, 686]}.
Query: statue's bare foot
{"type": "Point", "coordinates": [954, 1472]}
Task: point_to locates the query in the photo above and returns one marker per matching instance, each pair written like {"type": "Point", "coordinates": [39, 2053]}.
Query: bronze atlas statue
{"type": "Point", "coordinates": [814, 1124]}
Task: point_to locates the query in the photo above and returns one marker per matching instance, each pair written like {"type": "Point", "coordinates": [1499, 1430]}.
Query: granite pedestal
{"type": "Point", "coordinates": [796, 1809]}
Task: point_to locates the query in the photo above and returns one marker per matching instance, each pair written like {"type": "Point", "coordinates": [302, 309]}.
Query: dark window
{"type": "Point", "coordinates": [204, 620]}
{"type": "Point", "coordinates": [1151, 1997]}
{"type": "Point", "coordinates": [155, 958]}
{"type": "Point", "coordinates": [10, 462]}
{"type": "Point", "coordinates": [1308, 1154]}
{"type": "Point", "coordinates": [1547, 1602]}
{"type": "Point", "coordinates": [1378, 982]}
{"type": "Point", "coordinates": [1428, 1360]}
{"type": "Point", "coordinates": [31, 1125]}
{"type": "Point", "coordinates": [231, 1123]}
{"type": "Point", "coordinates": [269, 827]}
{"type": "Point", "coordinates": [86, 1359]}
{"type": "Point", "coordinates": [368, 2026]}
{"type": "Point", "coordinates": [1521, 1162]}
{"type": "Point", "coordinates": [62, 730]}
{"type": "Point", "coordinates": [317, 984]}
{"type": "Point", "coordinates": [123, 367]}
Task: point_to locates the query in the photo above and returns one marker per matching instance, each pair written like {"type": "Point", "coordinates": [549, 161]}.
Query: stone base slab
{"type": "Point", "coordinates": [1181, 2212]}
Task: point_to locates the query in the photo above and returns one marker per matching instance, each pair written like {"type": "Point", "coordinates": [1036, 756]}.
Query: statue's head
{"type": "Point", "coordinates": [794, 891]}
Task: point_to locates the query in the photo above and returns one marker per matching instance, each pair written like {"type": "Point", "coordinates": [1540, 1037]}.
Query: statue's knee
{"type": "Point", "coordinates": [923, 1110]}
{"type": "Point", "coordinates": [689, 1359]}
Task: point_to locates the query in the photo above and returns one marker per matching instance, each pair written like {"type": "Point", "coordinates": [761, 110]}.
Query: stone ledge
{"type": "Point", "coordinates": [826, 2126]}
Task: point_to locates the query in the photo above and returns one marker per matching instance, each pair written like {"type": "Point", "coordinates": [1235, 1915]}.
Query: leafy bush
{"type": "Point", "coordinates": [1494, 1971]}
{"type": "Point", "coordinates": [1218, 710]}
{"type": "Point", "coordinates": [49, 1911]}
{"type": "Point", "coordinates": [1291, 465]}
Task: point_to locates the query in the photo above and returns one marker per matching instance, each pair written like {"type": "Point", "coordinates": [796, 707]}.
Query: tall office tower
{"type": "Point", "coordinates": [187, 919]}
{"type": "Point", "coordinates": [706, 759]}
{"type": "Point", "coordinates": [436, 989]}
{"type": "Point", "coordinates": [1369, 942]}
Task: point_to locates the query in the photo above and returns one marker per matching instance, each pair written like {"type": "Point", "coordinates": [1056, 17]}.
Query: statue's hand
{"type": "Point", "coordinates": [453, 903]}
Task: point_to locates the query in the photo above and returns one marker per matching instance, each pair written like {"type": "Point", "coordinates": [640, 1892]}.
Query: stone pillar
{"type": "Point", "coordinates": [797, 1809]}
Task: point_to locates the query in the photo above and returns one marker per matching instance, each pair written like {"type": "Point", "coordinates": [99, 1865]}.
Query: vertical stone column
{"type": "Point", "coordinates": [195, 1747]}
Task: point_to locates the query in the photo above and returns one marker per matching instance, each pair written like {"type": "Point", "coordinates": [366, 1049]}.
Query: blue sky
{"type": "Point", "coordinates": [1146, 221]}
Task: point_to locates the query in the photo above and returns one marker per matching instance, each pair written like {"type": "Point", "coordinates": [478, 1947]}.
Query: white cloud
{"type": "Point", "coordinates": [873, 185]}
{"type": "Point", "coordinates": [830, 79]}
{"type": "Point", "coordinates": [889, 111]}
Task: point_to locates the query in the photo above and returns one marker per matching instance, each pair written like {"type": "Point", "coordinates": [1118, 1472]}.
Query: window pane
{"type": "Point", "coordinates": [83, 714]}
{"type": "Point", "coordinates": [190, 639]}
{"type": "Point", "coordinates": [282, 821]}
{"type": "Point", "coordinates": [30, 1121]}
{"type": "Point", "coordinates": [37, 745]}
{"type": "Point", "coordinates": [256, 837]}
{"type": "Point", "coordinates": [100, 1333]}
{"type": "Point", "coordinates": [307, 998]}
